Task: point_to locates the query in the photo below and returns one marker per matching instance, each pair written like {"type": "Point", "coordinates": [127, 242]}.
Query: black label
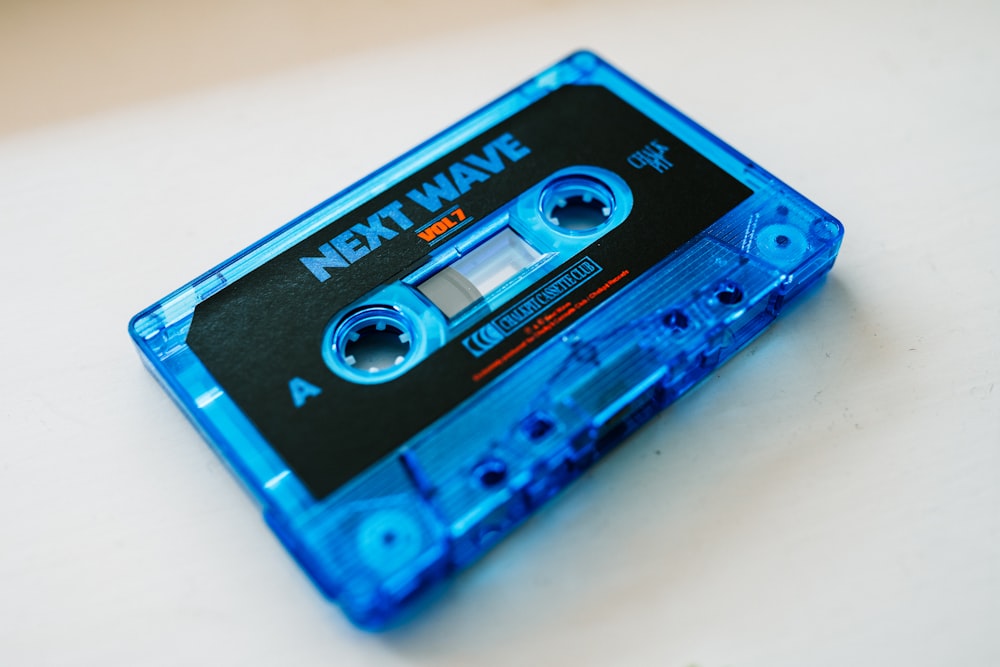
{"type": "Point", "coordinates": [265, 331]}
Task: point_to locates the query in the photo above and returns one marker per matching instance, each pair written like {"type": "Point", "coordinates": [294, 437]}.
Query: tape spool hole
{"type": "Point", "coordinates": [729, 294]}
{"type": "Point", "coordinates": [373, 344]}
{"type": "Point", "coordinates": [577, 204]}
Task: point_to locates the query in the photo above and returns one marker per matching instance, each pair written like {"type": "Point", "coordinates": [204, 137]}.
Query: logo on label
{"type": "Point", "coordinates": [651, 155]}
{"type": "Point", "coordinates": [457, 179]}
{"type": "Point", "coordinates": [364, 237]}
{"type": "Point", "coordinates": [436, 230]}
{"type": "Point", "coordinates": [350, 246]}
{"type": "Point", "coordinates": [493, 332]}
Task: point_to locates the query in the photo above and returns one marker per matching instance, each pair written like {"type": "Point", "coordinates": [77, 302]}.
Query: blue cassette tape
{"type": "Point", "coordinates": [405, 372]}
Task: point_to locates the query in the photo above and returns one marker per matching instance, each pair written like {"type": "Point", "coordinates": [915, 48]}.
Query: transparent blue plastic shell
{"type": "Point", "coordinates": [452, 489]}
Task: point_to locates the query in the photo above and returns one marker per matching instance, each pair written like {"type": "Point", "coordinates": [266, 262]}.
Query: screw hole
{"type": "Point", "coordinates": [729, 294]}
{"type": "Point", "coordinates": [491, 472]}
{"type": "Point", "coordinates": [488, 534]}
{"type": "Point", "coordinates": [537, 426]}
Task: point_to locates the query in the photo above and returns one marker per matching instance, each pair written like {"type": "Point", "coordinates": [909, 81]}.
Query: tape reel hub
{"type": "Point", "coordinates": [577, 204]}
{"type": "Point", "coordinates": [373, 344]}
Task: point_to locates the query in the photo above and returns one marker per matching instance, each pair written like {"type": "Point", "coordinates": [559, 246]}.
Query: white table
{"type": "Point", "coordinates": [831, 497]}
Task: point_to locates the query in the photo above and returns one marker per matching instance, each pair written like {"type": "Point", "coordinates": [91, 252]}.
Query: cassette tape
{"type": "Point", "coordinates": [404, 373]}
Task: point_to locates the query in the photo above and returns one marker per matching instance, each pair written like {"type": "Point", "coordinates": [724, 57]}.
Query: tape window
{"type": "Point", "coordinates": [478, 273]}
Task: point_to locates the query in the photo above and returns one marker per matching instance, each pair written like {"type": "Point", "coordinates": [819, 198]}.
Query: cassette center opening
{"type": "Point", "coordinates": [504, 254]}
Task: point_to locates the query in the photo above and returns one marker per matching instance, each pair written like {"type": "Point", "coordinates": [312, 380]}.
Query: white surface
{"type": "Point", "coordinates": [830, 498]}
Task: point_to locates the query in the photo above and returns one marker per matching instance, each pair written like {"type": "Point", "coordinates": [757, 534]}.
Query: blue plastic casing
{"type": "Point", "coordinates": [449, 491]}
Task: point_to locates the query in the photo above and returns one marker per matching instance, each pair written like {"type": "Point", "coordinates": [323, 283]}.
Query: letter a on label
{"type": "Point", "coordinates": [301, 390]}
